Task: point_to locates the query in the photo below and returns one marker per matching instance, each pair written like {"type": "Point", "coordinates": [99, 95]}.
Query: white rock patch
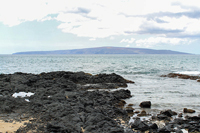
{"type": "Point", "coordinates": [22, 94]}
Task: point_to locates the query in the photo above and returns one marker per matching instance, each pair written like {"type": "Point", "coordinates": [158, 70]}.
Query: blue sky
{"type": "Point", "coordinates": [41, 25]}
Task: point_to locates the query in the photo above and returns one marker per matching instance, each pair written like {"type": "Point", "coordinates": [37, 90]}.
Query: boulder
{"type": "Point", "coordinates": [145, 104]}
{"type": "Point", "coordinates": [180, 115]}
{"type": "Point", "coordinates": [139, 125]}
{"type": "Point", "coordinates": [153, 126]}
{"type": "Point", "coordinates": [130, 104]}
{"type": "Point", "coordinates": [186, 110]}
{"type": "Point", "coordinates": [163, 117]}
{"type": "Point", "coordinates": [129, 109]}
{"type": "Point", "coordinates": [137, 112]}
{"type": "Point", "coordinates": [168, 113]}
{"type": "Point", "coordinates": [143, 113]}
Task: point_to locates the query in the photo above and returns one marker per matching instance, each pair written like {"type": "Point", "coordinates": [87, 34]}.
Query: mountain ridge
{"type": "Point", "coordinates": [105, 50]}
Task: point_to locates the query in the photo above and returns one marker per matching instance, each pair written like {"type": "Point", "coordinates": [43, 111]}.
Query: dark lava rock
{"type": "Point", "coordinates": [61, 102]}
{"type": "Point", "coordinates": [166, 129]}
{"type": "Point", "coordinates": [129, 109]}
{"type": "Point", "coordinates": [142, 113]}
{"type": "Point", "coordinates": [139, 125]}
{"type": "Point", "coordinates": [153, 126]}
{"type": "Point", "coordinates": [145, 104]}
{"type": "Point", "coordinates": [180, 115]}
{"type": "Point", "coordinates": [181, 76]}
{"type": "Point", "coordinates": [163, 117]}
{"type": "Point", "coordinates": [168, 113]}
{"type": "Point", "coordinates": [185, 110]}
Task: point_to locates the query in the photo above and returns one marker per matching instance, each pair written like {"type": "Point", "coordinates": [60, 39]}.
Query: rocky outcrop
{"type": "Point", "coordinates": [62, 102]}
{"type": "Point", "coordinates": [182, 76]}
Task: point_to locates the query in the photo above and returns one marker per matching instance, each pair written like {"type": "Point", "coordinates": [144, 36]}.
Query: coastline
{"type": "Point", "coordinates": [61, 102]}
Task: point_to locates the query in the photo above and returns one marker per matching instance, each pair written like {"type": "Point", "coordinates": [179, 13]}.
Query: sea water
{"type": "Point", "coordinates": [144, 70]}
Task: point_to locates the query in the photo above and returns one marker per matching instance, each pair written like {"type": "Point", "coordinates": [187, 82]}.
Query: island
{"type": "Point", "coordinates": [103, 50]}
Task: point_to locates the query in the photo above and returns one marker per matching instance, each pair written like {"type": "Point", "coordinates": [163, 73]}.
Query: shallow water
{"type": "Point", "coordinates": [144, 70]}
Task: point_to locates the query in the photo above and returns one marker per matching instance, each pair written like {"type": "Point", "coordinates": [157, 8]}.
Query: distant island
{"type": "Point", "coordinates": [104, 50]}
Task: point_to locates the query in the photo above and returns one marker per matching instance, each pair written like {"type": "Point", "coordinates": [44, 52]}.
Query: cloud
{"type": "Point", "coordinates": [127, 40]}
{"type": "Point", "coordinates": [153, 41]}
{"type": "Point", "coordinates": [157, 15]}
{"type": "Point", "coordinates": [79, 10]}
{"type": "Point", "coordinates": [151, 29]}
{"type": "Point", "coordinates": [106, 18]}
{"type": "Point", "coordinates": [46, 18]}
{"type": "Point", "coordinates": [182, 27]}
{"type": "Point", "coordinates": [112, 38]}
{"type": "Point", "coordinates": [92, 39]}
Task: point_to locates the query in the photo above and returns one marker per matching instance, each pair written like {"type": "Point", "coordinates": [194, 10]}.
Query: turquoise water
{"type": "Point", "coordinates": [145, 70]}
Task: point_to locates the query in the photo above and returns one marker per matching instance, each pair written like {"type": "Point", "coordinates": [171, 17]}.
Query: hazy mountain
{"type": "Point", "coordinates": [105, 50]}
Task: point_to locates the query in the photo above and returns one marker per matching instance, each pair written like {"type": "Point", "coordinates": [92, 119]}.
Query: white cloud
{"type": "Point", "coordinates": [112, 38]}
{"type": "Point", "coordinates": [152, 41]}
{"type": "Point", "coordinates": [127, 40]}
{"type": "Point", "coordinates": [92, 39]}
{"type": "Point", "coordinates": [46, 18]}
{"type": "Point", "coordinates": [104, 18]}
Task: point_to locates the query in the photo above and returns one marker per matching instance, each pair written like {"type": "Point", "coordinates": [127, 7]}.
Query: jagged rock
{"type": "Point", "coordinates": [165, 129]}
{"type": "Point", "coordinates": [61, 103]}
{"type": "Point", "coordinates": [153, 126]}
{"type": "Point", "coordinates": [139, 125]}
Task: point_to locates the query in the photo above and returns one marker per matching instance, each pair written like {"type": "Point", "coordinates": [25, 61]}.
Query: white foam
{"type": "Point", "coordinates": [189, 73]}
{"type": "Point", "coordinates": [22, 94]}
{"type": "Point", "coordinates": [142, 118]}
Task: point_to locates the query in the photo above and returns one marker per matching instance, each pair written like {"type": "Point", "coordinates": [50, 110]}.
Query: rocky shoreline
{"type": "Point", "coordinates": [60, 102]}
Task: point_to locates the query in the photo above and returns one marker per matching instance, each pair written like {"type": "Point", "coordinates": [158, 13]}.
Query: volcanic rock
{"type": "Point", "coordinates": [168, 113]}
{"type": "Point", "coordinates": [139, 125]}
{"type": "Point", "coordinates": [145, 104]}
{"type": "Point", "coordinates": [129, 109]}
{"type": "Point", "coordinates": [181, 76]}
{"type": "Point", "coordinates": [61, 102]}
{"type": "Point", "coordinates": [185, 110]}
{"type": "Point", "coordinates": [142, 113]}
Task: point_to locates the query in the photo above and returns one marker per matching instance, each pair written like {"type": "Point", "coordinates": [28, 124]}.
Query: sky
{"type": "Point", "coordinates": [44, 25]}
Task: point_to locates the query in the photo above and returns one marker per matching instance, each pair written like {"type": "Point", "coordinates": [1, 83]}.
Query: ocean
{"type": "Point", "coordinates": [144, 70]}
